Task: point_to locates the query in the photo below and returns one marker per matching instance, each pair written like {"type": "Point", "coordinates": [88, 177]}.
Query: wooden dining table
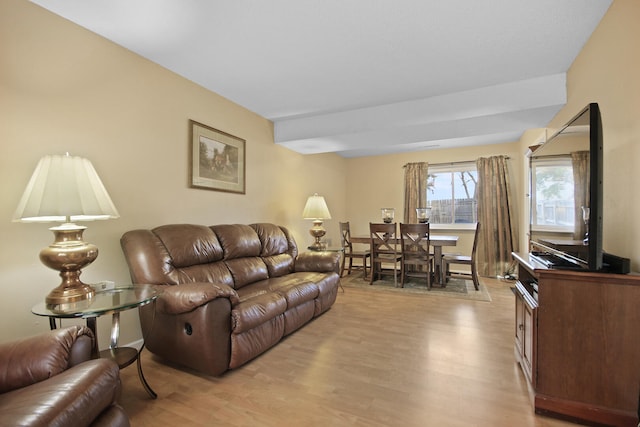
{"type": "Point", "coordinates": [435, 240]}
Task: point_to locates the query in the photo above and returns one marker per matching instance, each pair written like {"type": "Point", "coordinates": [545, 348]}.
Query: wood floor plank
{"type": "Point", "coordinates": [375, 359]}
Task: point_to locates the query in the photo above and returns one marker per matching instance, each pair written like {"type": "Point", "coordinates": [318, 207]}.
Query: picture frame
{"type": "Point", "coordinates": [218, 159]}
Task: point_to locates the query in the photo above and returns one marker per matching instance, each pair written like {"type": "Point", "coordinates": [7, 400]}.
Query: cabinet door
{"type": "Point", "coordinates": [519, 332]}
{"type": "Point", "coordinates": [525, 331]}
{"type": "Point", "coordinates": [528, 340]}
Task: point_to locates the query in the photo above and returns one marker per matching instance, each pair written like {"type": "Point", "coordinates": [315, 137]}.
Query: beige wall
{"type": "Point", "coordinates": [606, 71]}
{"type": "Point", "coordinates": [62, 89]}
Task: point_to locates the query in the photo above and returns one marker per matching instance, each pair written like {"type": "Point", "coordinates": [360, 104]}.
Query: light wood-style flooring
{"type": "Point", "coordinates": [374, 359]}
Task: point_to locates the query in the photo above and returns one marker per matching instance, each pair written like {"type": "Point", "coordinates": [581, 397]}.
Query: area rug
{"type": "Point", "coordinates": [455, 288]}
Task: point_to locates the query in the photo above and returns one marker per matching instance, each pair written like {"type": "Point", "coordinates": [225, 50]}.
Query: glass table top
{"type": "Point", "coordinates": [104, 302]}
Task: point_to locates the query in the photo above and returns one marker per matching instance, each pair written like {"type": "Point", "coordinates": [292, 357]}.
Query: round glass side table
{"type": "Point", "coordinates": [110, 301]}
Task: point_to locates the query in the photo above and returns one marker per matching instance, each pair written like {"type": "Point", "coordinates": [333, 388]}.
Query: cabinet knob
{"type": "Point", "coordinates": [521, 326]}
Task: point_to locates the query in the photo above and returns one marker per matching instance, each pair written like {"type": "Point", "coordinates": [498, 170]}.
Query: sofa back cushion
{"type": "Point", "coordinates": [174, 254]}
{"type": "Point", "coordinates": [247, 270]}
{"type": "Point", "coordinates": [279, 265]}
{"type": "Point", "coordinates": [237, 240]}
{"type": "Point", "coordinates": [189, 244]}
{"type": "Point", "coordinates": [195, 253]}
{"type": "Point", "coordinates": [278, 249]}
{"type": "Point", "coordinates": [241, 247]}
{"type": "Point", "coordinates": [215, 272]}
{"type": "Point", "coordinates": [273, 240]}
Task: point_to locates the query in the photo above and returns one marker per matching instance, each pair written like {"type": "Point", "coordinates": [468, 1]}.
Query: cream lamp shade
{"type": "Point", "coordinates": [66, 189]}
{"type": "Point", "coordinates": [316, 209]}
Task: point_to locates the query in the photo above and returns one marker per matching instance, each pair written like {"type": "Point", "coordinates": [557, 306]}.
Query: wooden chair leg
{"type": "Point", "coordinates": [364, 265]}
{"type": "Point", "coordinates": [395, 274]}
{"type": "Point", "coordinates": [474, 276]}
{"type": "Point", "coordinates": [372, 273]}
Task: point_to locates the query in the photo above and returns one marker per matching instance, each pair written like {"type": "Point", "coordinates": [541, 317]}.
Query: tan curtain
{"type": "Point", "coordinates": [496, 215]}
{"type": "Point", "coordinates": [415, 190]}
{"type": "Point", "coordinates": [580, 164]}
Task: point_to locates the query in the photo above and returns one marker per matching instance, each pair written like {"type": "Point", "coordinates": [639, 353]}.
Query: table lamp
{"type": "Point", "coordinates": [316, 209]}
{"type": "Point", "coordinates": [66, 189]}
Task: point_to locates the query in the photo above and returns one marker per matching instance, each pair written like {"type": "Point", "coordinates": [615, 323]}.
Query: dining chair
{"type": "Point", "coordinates": [349, 253]}
{"type": "Point", "coordinates": [384, 250]}
{"type": "Point", "coordinates": [449, 259]}
{"type": "Point", "coordinates": [417, 261]}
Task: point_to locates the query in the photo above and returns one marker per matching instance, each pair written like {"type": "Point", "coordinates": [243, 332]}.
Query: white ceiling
{"type": "Point", "coordinates": [363, 77]}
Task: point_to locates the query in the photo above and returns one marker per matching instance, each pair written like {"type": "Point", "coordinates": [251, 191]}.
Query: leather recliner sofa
{"type": "Point", "coordinates": [229, 292]}
{"type": "Point", "coordinates": [49, 380]}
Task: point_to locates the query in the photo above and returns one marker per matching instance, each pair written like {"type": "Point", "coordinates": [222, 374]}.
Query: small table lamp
{"type": "Point", "coordinates": [66, 189]}
{"type": "Point", "coordinates": [316, 209]}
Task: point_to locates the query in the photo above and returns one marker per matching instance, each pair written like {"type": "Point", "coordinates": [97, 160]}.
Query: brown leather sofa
{"type": "Point", "coordinates": [230, 292]}
{"type": "Point", "coordinates": [49, 380]}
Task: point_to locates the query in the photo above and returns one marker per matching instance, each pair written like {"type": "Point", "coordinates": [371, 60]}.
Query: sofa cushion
{"type": "Point", "coordinates": [296, 288]}
{"type": "Point", "coordinates": [189, 244]}
{"type": "Point", "coordinates": [254, 311]}
{"type": "Point", "coordinates": [247, 270]}
{"type": "Point", "coordinates": [238, 240]}
{"type": "Point", "coordinates": [293, 287]}
{"type": "Point", "coordinates": [279, 265]}
{"type": "Point", "coordinates": [216, 272]}
{"type": "Point", "coordinates": [273, 240]}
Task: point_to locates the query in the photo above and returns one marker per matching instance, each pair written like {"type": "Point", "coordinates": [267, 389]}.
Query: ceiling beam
{"type": "Point", "coordinates": [506, 109]}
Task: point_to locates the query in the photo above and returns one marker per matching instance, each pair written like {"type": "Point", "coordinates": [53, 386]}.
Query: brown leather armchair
{"type": "Point", "coordinates": [49, 380]}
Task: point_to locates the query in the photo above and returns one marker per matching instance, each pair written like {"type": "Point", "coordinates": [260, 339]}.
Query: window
{"type": "Point", "coordinates": [451, 193]}
{"type": "Point", "coordinates": [552, 195]}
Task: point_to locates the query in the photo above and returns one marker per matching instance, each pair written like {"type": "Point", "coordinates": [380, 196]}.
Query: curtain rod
{"type": "Point", "coordinates": [551, 156]}
{"type": "Point", "coordinates": [453, 163]}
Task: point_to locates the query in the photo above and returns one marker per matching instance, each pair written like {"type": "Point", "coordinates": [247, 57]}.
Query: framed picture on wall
{"type": "Point", "coordinates": [217, 159]}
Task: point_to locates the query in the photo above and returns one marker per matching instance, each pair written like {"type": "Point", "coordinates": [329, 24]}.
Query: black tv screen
{"type": "Point", "coordinates": [572, 227]}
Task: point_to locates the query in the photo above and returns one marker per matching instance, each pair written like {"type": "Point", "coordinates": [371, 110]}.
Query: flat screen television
{"type": "Point", "coordinates": [579, 145]}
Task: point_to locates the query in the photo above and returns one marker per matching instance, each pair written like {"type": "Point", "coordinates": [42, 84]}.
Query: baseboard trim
{"type": "Point", "coordinates": [578, 411]}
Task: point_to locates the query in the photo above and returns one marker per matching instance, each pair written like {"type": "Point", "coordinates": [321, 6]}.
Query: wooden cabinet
{"type": "Point", "coordinates": [577, 339]}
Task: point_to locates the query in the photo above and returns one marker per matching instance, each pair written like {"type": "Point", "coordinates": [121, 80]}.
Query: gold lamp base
{"type": "Point", "coordinates": [317, 231]}
{"type": "Point", "coordinates": [69, 254]}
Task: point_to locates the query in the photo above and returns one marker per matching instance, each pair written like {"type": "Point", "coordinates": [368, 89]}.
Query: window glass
{"type": "Point", "coordinates": [451, 194]}
{"type": "Point", "coordinates": [552, 195]}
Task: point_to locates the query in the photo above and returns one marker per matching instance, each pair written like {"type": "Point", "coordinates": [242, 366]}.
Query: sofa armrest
{"type": "Point", "coordinates": [34, 359]}
{"type": "Point", "coordinates": [177, 299]}
{"type": "Point", "coordinates": [318, 261]}
{"type": "Point", "coordinates": [75, 397]}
